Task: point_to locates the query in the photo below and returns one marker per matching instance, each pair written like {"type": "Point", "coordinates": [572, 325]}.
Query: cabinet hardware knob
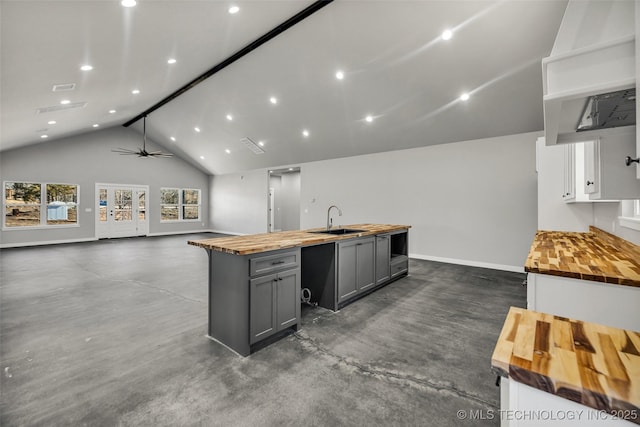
{"type": "Point", "coordinates": [590, 182]}
{"type": "Point", "coordinates": [628, 160]}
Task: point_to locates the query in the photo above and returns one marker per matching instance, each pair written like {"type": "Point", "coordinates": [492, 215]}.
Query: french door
{"type": "Point", "coordinates": [121, 210]}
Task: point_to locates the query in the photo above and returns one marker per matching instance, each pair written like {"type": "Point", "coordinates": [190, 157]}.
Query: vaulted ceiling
{"type": "Point", "coordinates": [401, 83]}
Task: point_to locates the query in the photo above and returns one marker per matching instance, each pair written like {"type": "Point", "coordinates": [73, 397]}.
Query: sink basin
{"type": "Point", "coordinates": [338, 231]}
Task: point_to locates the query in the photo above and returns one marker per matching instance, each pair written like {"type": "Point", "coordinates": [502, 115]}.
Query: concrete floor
{"type": "Point", "coordinates": [112, 333]}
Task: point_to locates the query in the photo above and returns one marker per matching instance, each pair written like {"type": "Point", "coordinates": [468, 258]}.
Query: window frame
{"type": "Point", "coordinates": [630, 214]}
{"type": "Point", "coordinates": [43, 204]}
{"type": "Point", "coordinates": [181, 205]}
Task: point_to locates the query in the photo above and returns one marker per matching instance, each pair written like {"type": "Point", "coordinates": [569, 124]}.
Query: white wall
{"type": "Point", "coordinates": [290, 201]}
{"type": "Point", "coordinates": [87, 159]}
{"type": "Point", "coordinates": [239, 202]}
{"type": "Point", "coordinates": [472, 202]}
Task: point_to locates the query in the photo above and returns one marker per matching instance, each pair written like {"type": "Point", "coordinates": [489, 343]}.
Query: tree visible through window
{"type": "Point", "coordinates": [169, 202]}
{"type": "Point", "coordinates": [179, 204]}
{"type": "Point", "coordinates": [28, 204]}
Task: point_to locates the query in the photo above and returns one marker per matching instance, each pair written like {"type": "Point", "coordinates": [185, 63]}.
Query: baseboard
{"type": "Point", "coordinates": [45, 242]}
{"type": "Point", "coordinates": [173, 233]}
{"type": "Point", "coordinates": [231, 233]}
{"type": "Point", "coordinates": [512, 268]}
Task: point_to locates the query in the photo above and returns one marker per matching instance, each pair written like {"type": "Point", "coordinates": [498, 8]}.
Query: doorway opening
{"type": "Point", "coordinates": [284, 199]}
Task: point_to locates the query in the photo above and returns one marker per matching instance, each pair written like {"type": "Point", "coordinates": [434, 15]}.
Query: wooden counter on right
{"type": "Point", "coordinates": [592, 276]}
{"type": "Point", "coordinates": [593, 365]}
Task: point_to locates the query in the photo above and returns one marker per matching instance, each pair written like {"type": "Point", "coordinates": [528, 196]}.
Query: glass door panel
{"type": "Point", "coordinates": [142, 206]}
{"type": "Point", "coordinates": [102, 205]}
{"type": "Point", "coordinates": [123, 205]}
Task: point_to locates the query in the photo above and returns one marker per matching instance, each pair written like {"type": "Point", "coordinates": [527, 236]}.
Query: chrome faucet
{"type": "Point", "coordinates": [329, 220]}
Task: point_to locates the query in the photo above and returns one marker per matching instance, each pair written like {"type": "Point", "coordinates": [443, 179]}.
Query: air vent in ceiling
{"type": "Point", "coordinates": [53, 108]}
{"type": "Point", "coordinates": [64, 87]}
{"type": "Point", "coordinates": [252, 146]}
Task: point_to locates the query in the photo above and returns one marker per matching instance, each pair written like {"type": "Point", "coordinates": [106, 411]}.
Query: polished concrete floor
{"type": "Point", "coordinates": [113, 333]}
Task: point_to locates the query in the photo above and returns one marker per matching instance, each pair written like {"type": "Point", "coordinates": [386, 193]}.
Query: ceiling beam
{"type": "Point", "coordinates": [233, 58]}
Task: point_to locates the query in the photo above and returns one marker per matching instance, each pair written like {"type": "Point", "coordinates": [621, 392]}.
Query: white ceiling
{"type": "Point", "coordinates": [397, 69]}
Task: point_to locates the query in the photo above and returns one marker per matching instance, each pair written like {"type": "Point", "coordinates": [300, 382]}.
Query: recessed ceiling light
{"type": "Point", "coordinates": [447, 34]}
{"type": "Point", "coordinates": [51, 122]}
{"type": "Point", "coordinates": [229, 117]}
{"type": "Point", "coordinates": [227, 151]}
{"type": "Point", "coordinates": [44, 136]}
{"type": "Point", "coordinates": [273, 100]}
{"type": "Point", "coordinates": [261, 143]}
{"type": "Point", "coordinates": [171, 61]}
{"type": "Point", "coordinates": [305, 133]}
{"type": "Point", "coordinates": [128, 3]}
{"type": "Point", "coordinates": [173, 139]}
{"type": "Point", "coordinates": [339, 75]}
{"type": "Point", "coordinates": [464, 97]}
{"type": "Point", "coordinates": [369, 119]}
{"type": "Point", "coordinates": [112, 111]}
{"type": "Point", "coordinates": [290, 169]}
{"type": "Point", "coordinates": [135, 91]}
{"type": "Point", "coordinates": [202, 157]}
{"type": "Point", "coordinates": [234, 9]}
{"type": "Point", "coordinates": [86, 68]}
{"type": "Point", "coordinates": [95, 125]}
{"type": "Point", "coordinates": [197, 129]}
{"type": "Point", "coordinates": [65, 102]}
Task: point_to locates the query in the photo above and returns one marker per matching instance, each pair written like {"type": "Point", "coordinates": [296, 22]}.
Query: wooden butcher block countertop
{"type": "Point", "coordinates": [595, 365]}
{"type": "Point", "coordinates": [596, 255]}
{"type": "Point", "coordinates": [255, 243]}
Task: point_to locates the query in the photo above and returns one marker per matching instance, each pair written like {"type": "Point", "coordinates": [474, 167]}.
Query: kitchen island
{"type": "Point", "coordinates": [256, 281]}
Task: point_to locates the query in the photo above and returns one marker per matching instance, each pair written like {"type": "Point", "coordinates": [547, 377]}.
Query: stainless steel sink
{"type": "Point", "coordinates": [338, 231]}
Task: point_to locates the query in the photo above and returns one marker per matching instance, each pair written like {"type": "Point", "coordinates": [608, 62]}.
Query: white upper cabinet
{"type": "Point", "coordinates": [595, 171]}
{"type": "Point", "coordinates": [606, 177]}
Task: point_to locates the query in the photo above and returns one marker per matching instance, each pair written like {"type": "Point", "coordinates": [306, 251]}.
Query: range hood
{"type": "Point", "coordinates": [589, 80]}
{"type": "Point", "coordinates": [609, 110]}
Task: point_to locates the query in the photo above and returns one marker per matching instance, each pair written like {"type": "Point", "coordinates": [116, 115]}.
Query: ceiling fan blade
{"type": "Point", "coordinates": [124, 151]}
{"type": "Point", "coordinates": [159, 154]}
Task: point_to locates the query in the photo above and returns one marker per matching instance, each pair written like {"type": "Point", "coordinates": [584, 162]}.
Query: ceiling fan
{"type": "Point", "coordinates": [142, 152]}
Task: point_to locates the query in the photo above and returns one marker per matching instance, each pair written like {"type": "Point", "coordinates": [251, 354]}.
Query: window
{"type": "Point", "coordinates": [30, 204]}
{"type": "Point", "coordinates": [179, 204]}
{"type": "Point", "coordinates": [630, 217]}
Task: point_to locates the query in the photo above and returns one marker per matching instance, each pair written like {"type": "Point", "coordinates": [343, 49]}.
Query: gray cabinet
{"type": "Point", "coordinates": [383, 258]}
{"type": "Point", "coordinates": [356, 267]}
{"type": "Point", "coordinates": [274, 299]}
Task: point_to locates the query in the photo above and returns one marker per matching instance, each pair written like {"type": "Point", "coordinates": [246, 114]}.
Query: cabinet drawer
{"type": "Point", "coordinates": [271, 263]}
{"type": "Point", "coordinates": [399, 267]}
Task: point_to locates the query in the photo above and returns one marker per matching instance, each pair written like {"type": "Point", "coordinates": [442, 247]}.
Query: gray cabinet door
{"type": "Point", "coordinates": [365, 264]}
{"type": "Point", "coordinates": [262, 310]}
{"type": "Point", "coordinates": [347, 285]}
{"type": "Point", "coordinates": [356, 267]}
{"type": "Point", "coordinates": [383, 258]}
{"type": "Point", "coordinates": [287, 299]}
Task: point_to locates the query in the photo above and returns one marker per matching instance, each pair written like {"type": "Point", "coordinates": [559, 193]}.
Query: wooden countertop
{"type": "Point", "coordinates": [596, 255]}
{"type": "Point", "coordinates": [255, 243]}
{"type": "Point", "coordinates": [595, 365]}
